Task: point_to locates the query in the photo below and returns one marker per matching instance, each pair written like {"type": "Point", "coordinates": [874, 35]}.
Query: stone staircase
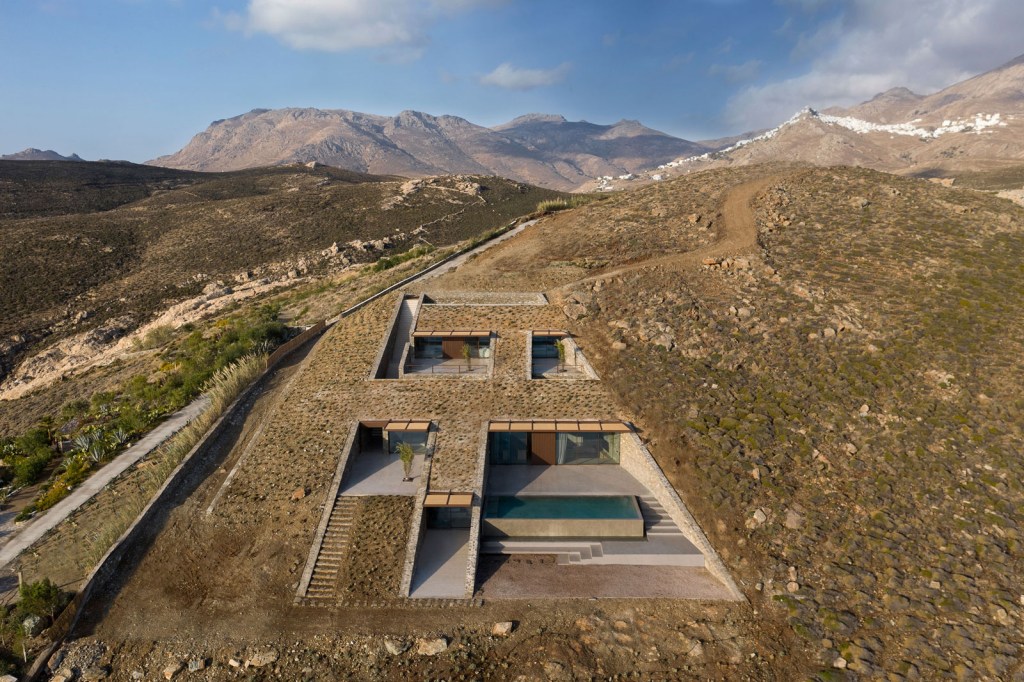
{"type": "Point", "coordinates": [323, 585]}
{"type": "Point", "coordinates": [657, 522]}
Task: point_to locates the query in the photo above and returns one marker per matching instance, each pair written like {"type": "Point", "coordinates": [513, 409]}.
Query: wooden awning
{"type": "Point", "coordinates": [448, 499]}
{"type": "Point", "coordinates": [398, 425]}
{"type": "Point", "coordinates": [560, 425]}
{"type": "Point", "coordinates": [451, 333]}
{"type": "Point", "coordinates": [550, 332]}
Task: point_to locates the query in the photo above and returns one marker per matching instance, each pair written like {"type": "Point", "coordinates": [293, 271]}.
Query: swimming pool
{"type": "Point", "coordinates": [562, 516]}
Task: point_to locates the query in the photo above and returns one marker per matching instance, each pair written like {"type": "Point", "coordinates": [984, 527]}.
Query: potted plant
{"type": "Point", "coordinates": [405, 454]}
{"type": "Point", "coordinates": [560, 347]}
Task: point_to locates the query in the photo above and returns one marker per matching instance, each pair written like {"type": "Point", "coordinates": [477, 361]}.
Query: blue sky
{"type": "Point", "coordinates": [134, 79]}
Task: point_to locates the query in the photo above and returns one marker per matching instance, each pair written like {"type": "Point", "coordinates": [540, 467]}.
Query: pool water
{"type": "Point", "coordinates": [560, 507]}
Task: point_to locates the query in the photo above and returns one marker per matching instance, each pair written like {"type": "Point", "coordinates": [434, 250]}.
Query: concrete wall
{"type": "Point", "coordinates": [563, 528]}
{"type": "Point", "coordinates": [379, 368]}
{"type": "Point", "coordinates": [572, 352]}
{"type": "Point", "coordinates": [637, 460]}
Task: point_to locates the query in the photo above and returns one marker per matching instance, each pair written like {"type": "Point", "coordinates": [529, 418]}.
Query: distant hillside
{"type": "Point", "coordinates": [977, 124]}
{"type": "Point", "coordinates": [542, 150]}
{"type": "Point", "coordinates": [97, 249]}
{"type": "Point", "coordinates": [33, 154]}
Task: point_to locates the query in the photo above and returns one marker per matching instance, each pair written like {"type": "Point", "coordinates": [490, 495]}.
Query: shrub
{"type": "Point", "coordinates": [41, 598]}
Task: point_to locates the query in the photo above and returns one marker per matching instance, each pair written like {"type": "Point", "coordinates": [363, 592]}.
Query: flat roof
{"type": "Point", "coordinates": [560, 425]}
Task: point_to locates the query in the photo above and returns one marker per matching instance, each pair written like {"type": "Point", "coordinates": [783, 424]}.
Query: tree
{"type": "Point", "coordinates": [405, 453]}
{"type": "Point", "coordinates": [466, 355]}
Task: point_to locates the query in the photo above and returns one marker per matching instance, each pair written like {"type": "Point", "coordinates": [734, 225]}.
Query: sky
{"type": "Point", "coordinates": [135, 79]}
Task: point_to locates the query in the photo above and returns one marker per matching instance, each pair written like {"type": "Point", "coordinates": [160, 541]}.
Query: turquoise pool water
{"type": "Point", "coordinates": [560, 507]}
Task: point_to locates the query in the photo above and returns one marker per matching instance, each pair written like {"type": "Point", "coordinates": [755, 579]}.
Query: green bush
{"type": "Point", "coordinates": [41, 598]}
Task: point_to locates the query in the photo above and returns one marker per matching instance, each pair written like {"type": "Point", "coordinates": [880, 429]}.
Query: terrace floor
{"type": "Point", "coordinates": [441, 564]}
{"type": "Point", "coordinates": [430, 366]}
{"type": "Point", "coordinates": [375, 472]}
{"type": "Point", "coordinates": [547, 368]}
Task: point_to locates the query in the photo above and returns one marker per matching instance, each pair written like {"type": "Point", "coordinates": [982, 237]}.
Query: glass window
{"type": "Point", "coordinates": [588, 448]}
{"type": "Point", "coordinates": [448, 517]}
{"type": "Point", "coordinates": [508, 448]}
{"type": "Point", "coordinates": [427, 347]}
{"type": "Point", "coordinates": [544, 347]}
{"type": "Point", "coordinates": [417, 439]}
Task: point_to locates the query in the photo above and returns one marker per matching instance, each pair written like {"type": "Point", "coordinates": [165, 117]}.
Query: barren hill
{"type": "Point", "coordinates": [976, 124]}
{"type": "Point", "coordinates": [542, 150]}
{"type": "Point", "coordinates": [33, 154]}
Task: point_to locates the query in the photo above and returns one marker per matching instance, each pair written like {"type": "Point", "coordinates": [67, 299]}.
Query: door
{"type": "Point", "coordinates": [543, 449]}
{"type": "Point", "coordinates": [371, 439]}
{"type": "Point", "coordinates": [451, 349]}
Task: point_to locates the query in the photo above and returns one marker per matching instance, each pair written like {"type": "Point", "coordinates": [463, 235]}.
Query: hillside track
{"type": "Point", "coordinates": [737, 235]}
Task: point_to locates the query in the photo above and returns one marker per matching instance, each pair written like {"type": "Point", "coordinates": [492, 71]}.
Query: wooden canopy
{"type": "Point", "coordinates": [451, 333]}
{"type": "Point", "coordinates": [448, 499]}
{"type": "Point", "coordinates": [550, 332]}
{"type": "Point", "coordinates": [402, 425]}
{"type": "Point", "coordinates": [560, 425]}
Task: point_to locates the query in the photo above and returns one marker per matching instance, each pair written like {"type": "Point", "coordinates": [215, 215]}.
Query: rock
{"type": "Point", "coordinates": [793, 519]}
{"type": "Point", "coordinates": [792, 586]}
{"type": "Point", "coordinates": [696, 651]}
{"type": "Point", "coordinates": [741, 263]}
{"type": "Point", "coordinates": [864, 409]}
{"type": "Point", "coordinates": [234, 663]}
{"type": "Point", "coordinates": [859, 202]}
{"type": "Point", "coordinates": [138, 675]}
{"type": "Point", "coordinates": [93, 673]}
{"type": "Point", "coordinates": [839, 663]}
{"type": "Point", "coordinates": [757, 518]}
{"type": "Point", "coordinates": [744, 313]}
{"type": "Point", "coordinates": [8, 678]}
{"type": "Point", "coordinates": [431, 647]}
{"type": "Point", "coordinates": [62, 675]}
{"type": "Point", "coordinates": [850, 448]}
{"type": "Point", "coordinates": [503, 629]}
{"type": "Point", "coordinates": [171, 670]}
{"type": "Point", "coordinates": [396, 647]}
{"type": "Point", "coordinates": [197, 664]}
{"type": "Point", "coordinates": [829, 333]}
{"type": "Point", "coordinates": [574, 310]}
{"type": "Point", "coordinates": [710, 261]}
{"type": "Point", "coordinates": [298, 494]}
{"type": "Point", "coordinates": [261, 659]}
{"type": "Point", "coordinates": [618, 345]}
{"type": "Point", "coordinates": [32, 625]}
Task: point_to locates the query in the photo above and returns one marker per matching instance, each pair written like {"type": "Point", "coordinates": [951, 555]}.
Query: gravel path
{"type": "Point", "coordinates": [15, 539]}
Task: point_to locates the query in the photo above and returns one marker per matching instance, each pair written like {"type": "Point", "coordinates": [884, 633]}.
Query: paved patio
{"type": "Point", "coordinates": [378, 473]}
{"type": "Point", "coordinates": [581, 479]}
{"type": "Point", "coordinates": [429, 366]}
{"type": "Point", "coordinates": [441, 564]}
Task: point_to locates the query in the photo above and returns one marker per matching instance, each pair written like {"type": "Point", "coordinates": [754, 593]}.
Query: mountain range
{"type": "Point", "coordinates": [976, 124]}
{"type": "Point", "coordinates": [33, 154]}
{"type": "Point", "coordinates": [539, 149]}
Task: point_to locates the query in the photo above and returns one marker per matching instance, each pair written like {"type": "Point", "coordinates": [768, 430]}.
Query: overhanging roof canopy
{"type": "Point", "coordinates": [448, 499]}
{"type": "Point", "coordinates": [550, 332]}
{"type": "Point", "coordinates": [560, 425]}
{"type": "Point", "coordinates": [451, 333]}
{"type": "Point", "coordinates": [403, 425]}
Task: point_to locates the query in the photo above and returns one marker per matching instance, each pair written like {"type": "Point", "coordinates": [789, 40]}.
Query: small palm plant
{"type": "Point", "coordinates": [560, 347]}
{"type": "Point", "coordinates": [405, 453]}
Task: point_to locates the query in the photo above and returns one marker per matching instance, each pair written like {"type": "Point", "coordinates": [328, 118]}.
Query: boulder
{"type": "Point", "coordinates": [431, 646]}
{"type": "Point", "coordinates": [32, 625]}
{"type": "Point", "coordinates": [262, 658]}
{"type": "Point", "coordinates": [172, 669]}
{"type": "Point", "coordinates": [503, 629]}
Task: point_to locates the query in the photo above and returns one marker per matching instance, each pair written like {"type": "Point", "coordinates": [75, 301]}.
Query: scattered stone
{"type": "Point", "coordinates": [197, 664]}
{"type": "Point", "coordinates": [396, 647]}
{"type": "Point", "coordinates": [138, 674]}
{"type": "Point", "coordinates": [62, 675]}
{"type": "Point", "coordinates": [618, 345]}
{"type": "Point", "coordinates": [93, 673]}
{"type": "Point", "coordinates": [171, 670]}
{"type": "Point", "coordinates": [850, 448]}
{"type": "Point", "coordinates": [431, 647]}
{"type": "Point", "coordinates": [710, 261]}
{"type": "Point", "coordinates": [794, 519]}
{"type": "Point", "coordinates": [792, 586]}
{"type": "Point", "coordinates": [864, 409]}
{"type": "Point", "coordinates": [261, 659]}
{"type": "Point", "coordinates": [839, 663]}
{"type": "Point", "coordinates": [829, 333]}
{"type": "Point", "coordinates": [693, 218]}
{"type": "Point", "coordinates": [696, 651]}
{"type": "Point", "coordinates": [503, 629]}
{"type": "Point", "coordinates": [299, 494]}
{"type": "Point", "coordinates": [935, 585]}
{"type": "Point", "coordinates": [757, 518]}
{"type": "Point", "coordinates": [744, 313]}
{"type": "Point", "coordinates": [234, 663]}
{"type": "Point", "coordinates": [8, 678]}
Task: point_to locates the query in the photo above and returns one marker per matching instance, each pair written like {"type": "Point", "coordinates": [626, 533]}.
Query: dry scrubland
{"type": "Point", "coordinates": [102, 247]}
{"type": "Point", "coordinates": [840, 409]}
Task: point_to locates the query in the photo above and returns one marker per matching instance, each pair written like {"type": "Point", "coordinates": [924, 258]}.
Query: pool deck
{"type": "Point", "coordinates": [582, 479]}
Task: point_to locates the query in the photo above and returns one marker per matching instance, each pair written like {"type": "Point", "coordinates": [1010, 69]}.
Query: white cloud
{"type": "Point", "coordinates": [341, 25]}
{"type": "Point", "coordinates": [514, 78]}
{"type": "Point", "coordinates": [874, 45]}
{"type": "Point", "coordinates": [737, 73]}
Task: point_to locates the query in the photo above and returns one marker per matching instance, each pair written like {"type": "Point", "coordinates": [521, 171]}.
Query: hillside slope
{"type": "Point", "coordinates": [86, 277]}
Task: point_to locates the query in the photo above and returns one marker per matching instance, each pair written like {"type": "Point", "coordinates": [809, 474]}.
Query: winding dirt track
{"type": "Point", "coordinates": [737, 234]}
